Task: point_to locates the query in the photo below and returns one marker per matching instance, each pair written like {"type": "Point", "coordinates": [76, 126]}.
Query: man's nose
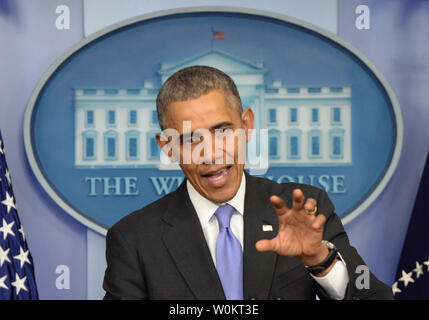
{"type": "Point", "coordinates": [211, 152]}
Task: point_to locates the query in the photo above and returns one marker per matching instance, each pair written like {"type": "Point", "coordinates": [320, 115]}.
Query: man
{"type": "Point", "coordinates": [223, 233]}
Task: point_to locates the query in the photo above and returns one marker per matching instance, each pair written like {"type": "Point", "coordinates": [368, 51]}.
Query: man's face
{"type": "Point", "coordinates": [216, 175]}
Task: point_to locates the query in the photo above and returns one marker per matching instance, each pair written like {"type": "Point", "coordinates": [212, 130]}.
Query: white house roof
{"type": "Point", "coordinates": [217, 59]}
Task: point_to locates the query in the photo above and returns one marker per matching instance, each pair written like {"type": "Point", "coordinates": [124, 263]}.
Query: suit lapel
{"type": "Point", "coordinates": [184, 239]}
{"type": "Point", "coordinates": [258, 267]}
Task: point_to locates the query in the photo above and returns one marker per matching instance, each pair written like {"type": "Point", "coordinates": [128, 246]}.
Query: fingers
{"type": "Point", "coordinates": [310, 206]}
{"type": "Point", "coordinates": [319, 221]}
{"type": "Point", "coordinates": [297, 202]}
{"type": "Point", "coordinates": [279, 205]}
{"type": "Point", "coordinates": [297, 199]}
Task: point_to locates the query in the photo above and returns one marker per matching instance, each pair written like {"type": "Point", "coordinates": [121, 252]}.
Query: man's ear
{"type": "Point", "coordinates": [165, 142]}
{"type": "Point", "coordinates": [248, 120]}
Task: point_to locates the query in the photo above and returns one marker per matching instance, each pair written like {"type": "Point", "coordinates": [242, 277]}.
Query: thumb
{"type": "Point", "coordinates": [265, 245]}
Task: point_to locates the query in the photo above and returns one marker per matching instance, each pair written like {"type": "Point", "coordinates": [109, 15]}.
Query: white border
{"type": "Point", "coordinates": [90, 224]}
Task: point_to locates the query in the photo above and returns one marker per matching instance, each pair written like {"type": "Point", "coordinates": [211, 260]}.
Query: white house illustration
{"type": "Point", "coordinates": [307, 126]}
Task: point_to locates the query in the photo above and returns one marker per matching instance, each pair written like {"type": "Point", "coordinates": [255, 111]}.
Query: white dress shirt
{"type": "Point", "coordinates": [334, 283]}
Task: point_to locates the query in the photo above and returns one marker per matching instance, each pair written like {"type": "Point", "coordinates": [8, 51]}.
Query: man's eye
{"type": "Point", "coordinates": [192, 140]}
{"type": "Point", "coordinates": [224, 130]}
{"type": "Point", "coordinates": [197, 137]}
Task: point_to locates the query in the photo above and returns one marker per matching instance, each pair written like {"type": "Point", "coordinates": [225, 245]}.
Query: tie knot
{"type": "Point", "coordinates": [224, 214]}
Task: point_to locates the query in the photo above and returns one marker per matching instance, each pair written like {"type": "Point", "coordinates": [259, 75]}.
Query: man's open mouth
{"type": "Point", "coordinates": [217, 178]}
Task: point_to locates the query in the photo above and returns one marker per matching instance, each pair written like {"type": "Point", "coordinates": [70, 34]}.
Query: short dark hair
{"type": "Point", "coordinates": [191, 83]}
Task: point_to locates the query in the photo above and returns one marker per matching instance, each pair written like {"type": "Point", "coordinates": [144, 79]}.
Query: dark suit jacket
{"type": "Point", "coordinates": [160, 252]}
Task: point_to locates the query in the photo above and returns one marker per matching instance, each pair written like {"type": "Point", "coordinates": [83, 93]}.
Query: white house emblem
{"type": "Point", "coordinates": [331, 119]}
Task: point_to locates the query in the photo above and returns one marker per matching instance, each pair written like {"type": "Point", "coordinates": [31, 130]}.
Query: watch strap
{"type": "Point", "coordinates": [319, 268]}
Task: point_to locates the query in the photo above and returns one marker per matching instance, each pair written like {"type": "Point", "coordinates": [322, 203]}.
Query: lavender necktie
{"type": "Point", "coordinates": [229, 256]}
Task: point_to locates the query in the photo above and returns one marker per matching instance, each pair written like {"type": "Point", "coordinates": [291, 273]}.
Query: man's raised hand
{"type": "Point", "coordinates": [300, 230]}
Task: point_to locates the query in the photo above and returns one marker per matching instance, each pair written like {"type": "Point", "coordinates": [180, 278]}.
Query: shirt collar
{"type": "Point", "coordinates": [206, 208]}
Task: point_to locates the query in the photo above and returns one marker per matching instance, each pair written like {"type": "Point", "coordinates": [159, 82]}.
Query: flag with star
{"type": "Point", "coordinates": [17, 281]}
{"type": "Point", "coordinates": [218, 35]}
{"type": "Point", "coordinates": [412, 275]}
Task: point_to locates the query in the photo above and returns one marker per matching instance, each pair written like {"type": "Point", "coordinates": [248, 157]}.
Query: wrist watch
{"type": "Point", "coordinates": [333, 253]}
